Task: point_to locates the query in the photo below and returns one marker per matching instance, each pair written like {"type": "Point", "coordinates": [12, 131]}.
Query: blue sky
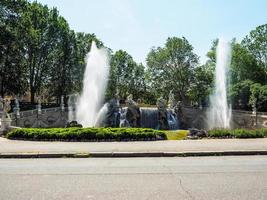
{"type": "Point", "coordinates": [138, 25]}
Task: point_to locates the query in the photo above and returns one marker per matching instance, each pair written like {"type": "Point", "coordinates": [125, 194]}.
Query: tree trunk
{"type": "Point", "coordinates": [32, 95]}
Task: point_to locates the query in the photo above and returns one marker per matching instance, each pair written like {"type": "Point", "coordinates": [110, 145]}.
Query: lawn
{"type": "Point", "coordinates": [176, 135]}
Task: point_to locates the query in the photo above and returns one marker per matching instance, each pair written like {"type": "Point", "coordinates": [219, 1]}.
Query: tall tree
{"type": "Point", "coordinates": [126, 76]}
{"type": "Point", "coordinates": [64, 60]}
{"type": "Point", "coordinates": [172, 67]}
{"type": "Point", "coordinates": [12, 80]}
{"type": "Point", "coordinates": [256, 43]}
{"type": "Point", "coordinates": [38, 24]}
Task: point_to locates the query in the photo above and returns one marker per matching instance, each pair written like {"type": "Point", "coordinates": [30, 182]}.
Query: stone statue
{"type": "Point", "coordinates": [179, 113]}
{"type": "Point", "coordinates": [16, 109]}
{"type": "Point", "coordinates": [62, 105]}
{"type": "Point", "coordinates": [162, 114]}
{"type": "Point", "coordinates": [1, 104]}
{"type": "Point", "coordinates": [113, 114]}
{"type": "Point", "coordinates": [133, 114]}
{"type": "Point", "coordinates": [171, 102]}
{"type": "Point", "coordinates": [5, 120]}
{"type": "Point", "coordinates": [6, 108]}
{"type": "Point", "coordinates": [39, 106]}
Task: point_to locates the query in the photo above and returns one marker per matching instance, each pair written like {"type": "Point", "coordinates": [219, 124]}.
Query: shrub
{"type": "Point", "coordinates": [86, 134]}
{"type": "Point", "coordinates": [237, 133]}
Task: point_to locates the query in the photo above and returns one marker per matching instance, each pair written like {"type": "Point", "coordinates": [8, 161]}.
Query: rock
{"type": "Point", "coordinates": [196, 133]}
{"type": "Point", "coordinates": [73, 124]}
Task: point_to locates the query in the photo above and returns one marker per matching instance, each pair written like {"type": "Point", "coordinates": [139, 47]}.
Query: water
{"type": "Point", "coordinates": [219, 115]}
{"type": "Point", "coordinates": [101, 116]}
{"type": "Point", "coordinates": [172, 120]}
{"type": "Point", "coordinates": [94, 86]}
{"type": "Point", "coordinates": [149, 117]}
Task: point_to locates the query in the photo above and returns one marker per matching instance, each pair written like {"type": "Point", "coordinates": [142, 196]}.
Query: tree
{"type": "Point", "coordinates": [172, 67]}
{"type": "Point", "coordinates": [256, 43]}
{"type": "Point", "coordinates": [12, 80]}
{"type": "Point", "coordinates": [244, 66]}
{"type": "Point", "coordinates": [64, 61]}
{"type": "Point", "coordinates": [240, 94]}
{"type": "Point", "coordinates": [126, 76]}
{"type": "Point", "coordinates": [201, 84]}
{"type": "Point", "coordinates": [258, 96]}
{"type": "Point", "coordinates": [38, 25]}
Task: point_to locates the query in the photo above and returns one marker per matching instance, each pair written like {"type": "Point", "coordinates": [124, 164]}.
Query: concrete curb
{"type": "Point", "coordinates": [131, 154]}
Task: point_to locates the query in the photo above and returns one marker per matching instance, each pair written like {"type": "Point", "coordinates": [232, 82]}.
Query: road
{"type": "Point", "coordinates": [243, 177]}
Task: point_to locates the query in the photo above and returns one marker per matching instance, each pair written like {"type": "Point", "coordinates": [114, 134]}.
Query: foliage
{"type": "Point", "coordinates": [256, 43]}
{"type": "Point", "coordinates": [244, 66]}
{"type": "Point", "coordinates": [126, 76]}
{"type": "Point", "coordinates": [237, 133]}
{"type": "Point", "coordinates": [86, 134]}
{"type": "Point", "coordinates": [248, 75]}
{"type": "Point", "coordinates": [40, 55]}
{"type": "Point", "coordinates": [172, 67]}
{"type": "Point", "coordinates": [201, 84]}
{"type": "Point", "coordinates": [12, 69]}
{"type": "Point", "coordinates": [258, 96]}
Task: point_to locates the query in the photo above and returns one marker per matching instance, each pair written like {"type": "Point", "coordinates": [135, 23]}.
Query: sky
{"type": "Point", "coordinates": [138, 25]}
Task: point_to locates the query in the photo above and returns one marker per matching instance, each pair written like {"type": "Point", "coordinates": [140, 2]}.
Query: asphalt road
{"type": "Point", "coordinates": [135, 178]}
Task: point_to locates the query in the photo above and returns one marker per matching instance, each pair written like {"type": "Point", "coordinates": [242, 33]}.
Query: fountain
{"type": "Point", "coordinates": [94, 85]}
{"type": "Point", "coordinates": [219, 114]}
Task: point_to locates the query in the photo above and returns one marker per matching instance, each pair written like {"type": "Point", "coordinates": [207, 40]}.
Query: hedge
{"type": "Point", "coordinates": [86, 134]}
{"type": "Point", "coordinates": [237, 133]}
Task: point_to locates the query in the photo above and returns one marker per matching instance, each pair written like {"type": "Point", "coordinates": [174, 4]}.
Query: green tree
{"type": "Point", "coordinates": [244, 66]}
{"type": "Point", "coordinates": [126, 76]}
{"type": "Point", "coordinates": [12, 76]}
{"type": "Point", "coordinates": [38, 26]}
{"type": "Point", "coordinates": [172, 68]}
{"type": "Point", "coordinates": [64, 61]}
{"type": "Point", "coordinates": [201, 84]}
{"type": "Point", "coordinates": [258, 96]}
{"type": "Point", "coordinates": [256, 43]}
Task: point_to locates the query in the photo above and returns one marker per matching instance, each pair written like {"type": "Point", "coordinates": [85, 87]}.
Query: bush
{"type": "Point", "coordinates": [237, 133]}
{"type": "Point", "coordinates": [86, 134]}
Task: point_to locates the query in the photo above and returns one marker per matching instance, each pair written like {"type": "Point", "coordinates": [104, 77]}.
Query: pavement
{"type": "Point", "coordinates": [172, 178]}
{"type": "Point", "coordinates": [167, 148]}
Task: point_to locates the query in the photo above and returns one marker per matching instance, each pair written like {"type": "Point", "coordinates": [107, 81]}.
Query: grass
{"type": "Point", "coordinates": [176, 135]}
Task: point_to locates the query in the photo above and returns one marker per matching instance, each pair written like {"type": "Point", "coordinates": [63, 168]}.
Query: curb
{"type": "Point", "coordinates": [131, 154]}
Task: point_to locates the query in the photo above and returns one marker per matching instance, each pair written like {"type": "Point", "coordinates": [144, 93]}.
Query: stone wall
{"type": "Point", "coordinates": [195, 117]}
{"type": "Point", "coordinates": [51, 117]}
{"type": "Point", "coordinates": [191, 118]}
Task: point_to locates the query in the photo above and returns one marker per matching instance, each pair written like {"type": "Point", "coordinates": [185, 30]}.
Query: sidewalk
{"type": "Point", "coordinates": [204, 147]}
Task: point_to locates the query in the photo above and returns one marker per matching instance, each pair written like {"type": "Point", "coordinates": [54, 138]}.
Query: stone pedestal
{"type": "Point", "coordinates": [5, 125]}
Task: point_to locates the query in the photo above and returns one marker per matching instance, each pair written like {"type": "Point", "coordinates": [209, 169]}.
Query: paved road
{"type": "Point", "coordinates": [135, 178]}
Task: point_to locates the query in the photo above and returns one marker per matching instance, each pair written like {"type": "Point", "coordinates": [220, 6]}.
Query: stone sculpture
{"type": "Point", "coordinates": [133, 115]}
{"type": "Point", "coordinates": [113, 114]}
{"type": "Point", "coordinates": [6, 109]}
{"type": "Point", "coordinates": [171, 102]}
{"type": "Point", "coordinates": [5, 120]}
{"type": "Point", "coordinates": [162, 114]}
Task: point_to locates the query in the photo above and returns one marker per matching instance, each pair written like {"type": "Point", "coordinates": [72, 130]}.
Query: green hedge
{"type": "Point", "coordinates": [237, 133]}
{"type": "Point", "coordinates": [86, 134]}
